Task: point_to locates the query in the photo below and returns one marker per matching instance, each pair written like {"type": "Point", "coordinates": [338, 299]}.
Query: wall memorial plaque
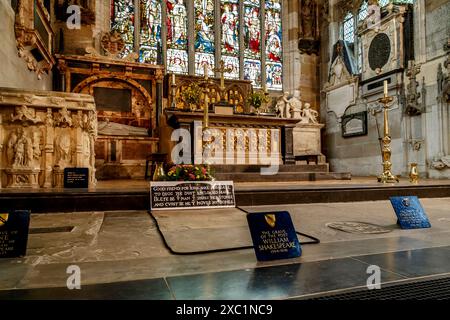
{"type": "Point", "coordinates": [76, 178]}
{"type": "Point", "coordinates": [410, 213]}
{"type": "Point", "coordinates": [110, 99]}
{"type": "Point", "coordinates": [354, 125]}
{"type": "Point", "coordinates": [191, 195]}
{"type": "Point", "coordinates": [379, 51]}
{"type": "Point", "coordinates": [14, 227]}
{"type": "Point", "coordinates": [273, 236]}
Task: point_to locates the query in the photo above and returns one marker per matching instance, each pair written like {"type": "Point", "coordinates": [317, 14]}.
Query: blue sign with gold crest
{"type": "Point", "coordinates": [410, 213]}
{"type": "Point", "coordinates": [273, 236]}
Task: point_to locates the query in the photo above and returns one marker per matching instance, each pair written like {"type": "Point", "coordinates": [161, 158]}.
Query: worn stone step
{"type": "Point", "coordinates": [282, 176]}
{"type": "Point", "coordinates": [282, 168]}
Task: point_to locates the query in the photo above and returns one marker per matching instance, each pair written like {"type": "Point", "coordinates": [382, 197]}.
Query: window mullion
{"type": "Point", "coordinates": [191, 37]}
{"type": "Point", "coordinates": [241, 39]}
{"type": "Point", "coordinates": [163, 42]}
{"type": "Point", "coordinates": [137, 26]}
{"type": "Point", "coordinates": [263, 45]}
{"type": "Point", "coordinates": [217, 34]}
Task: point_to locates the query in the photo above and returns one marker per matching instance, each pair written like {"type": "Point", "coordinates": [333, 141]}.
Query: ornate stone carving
{"type": "Point", "coordinates": [39, 140]}
{"type": "Point", "coordinates": [441, 164]}
{"type": "Point", "coordinates": [63, 118]}
{"type": "Point", "coordinates": [413, 105]}
{"type": "Point", "coordinates": [25, 115]}
{"type": "Point", "coordinates": [31, 39]}
{"type": "Point", "coordinates": [113, 43]}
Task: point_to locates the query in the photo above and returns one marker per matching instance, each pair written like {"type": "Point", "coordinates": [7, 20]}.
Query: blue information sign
{"type": "Point", "coordinates": [273, 236]}
{"type": "Point", "coordinates": [410, 213]}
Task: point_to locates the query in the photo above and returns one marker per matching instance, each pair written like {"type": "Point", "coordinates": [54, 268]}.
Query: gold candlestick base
{"type": "Point", "coordinates": [388, 177]}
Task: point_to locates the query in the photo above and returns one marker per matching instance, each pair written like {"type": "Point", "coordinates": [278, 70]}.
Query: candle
{"type": "Point", "coordinates": [385, 88]}
{"type": "Point", "coordinates": [205, 70]}
{"type": "Point", "coordinates": [173, 78]}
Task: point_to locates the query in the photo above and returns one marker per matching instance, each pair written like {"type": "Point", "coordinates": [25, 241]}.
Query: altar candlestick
{"type": "Point", "coordinates": [205, 71]}
{"type": "Point", "coordinates": [206, 111]}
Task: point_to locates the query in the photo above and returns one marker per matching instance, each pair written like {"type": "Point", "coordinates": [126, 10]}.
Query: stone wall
{"type": "Point", "coordinates": [414, 138]}
{"type": "Point", "coordinates": [14, 72]}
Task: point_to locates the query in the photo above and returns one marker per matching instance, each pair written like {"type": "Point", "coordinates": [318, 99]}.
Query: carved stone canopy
{"type": "Point", "coordinates": [35, 45]}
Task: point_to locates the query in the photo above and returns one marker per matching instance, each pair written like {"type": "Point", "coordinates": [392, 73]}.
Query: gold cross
{"type": "Point", "coordinates": [222, 70]}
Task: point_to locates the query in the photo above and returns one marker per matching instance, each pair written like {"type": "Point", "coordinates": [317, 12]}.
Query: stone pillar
{"type": "Point", "coordinates": [292, 62]}
{"type": "Point", "coordinates": [49, 149]}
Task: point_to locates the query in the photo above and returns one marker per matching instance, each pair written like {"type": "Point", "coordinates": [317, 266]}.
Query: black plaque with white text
{"type": "Point", "coordinates": [191, 195]}
{"type": "Point", "coordinates": [14, 228]}
{"type": "Point", "coordinates": [76, 178]}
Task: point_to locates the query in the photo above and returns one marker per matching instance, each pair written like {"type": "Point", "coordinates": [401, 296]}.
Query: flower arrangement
{"type": "Point", "coordinates": [192, 94]}
{"type": "Point", "coordinates": [188, 172]}
{"type": "Point", "coordinates": [256, 99]}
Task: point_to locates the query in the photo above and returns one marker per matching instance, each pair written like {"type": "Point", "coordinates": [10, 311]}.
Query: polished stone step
{"type": "Point", "coordinates": [48, 201]}
{"type": "Point", "coordinates": [282, 176]}
{"type": "Point", "coordinates": [305, 168]}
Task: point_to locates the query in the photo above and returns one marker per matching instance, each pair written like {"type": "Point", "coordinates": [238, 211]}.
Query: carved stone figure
{"type": "Point", "coordinates": [20, 149]}
{"type": "Point", "coordinates": [295, 105]}
{"type": "Point", "coordinates": [309, 115]}
{"type": "Point", "coordinates": [62, 148]}
{"type": "Point", "coordinates": [282, 105]}
{"type": "Point", "coordinates": [413, 106]}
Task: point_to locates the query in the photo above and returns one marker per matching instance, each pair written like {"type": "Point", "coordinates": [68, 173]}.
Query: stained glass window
{"type": "Point", "coordinates": [177, 36]}
{"type": "Point", "coordinates": [273, 40]}
{"type": "Point", "coordinates": [122, 20]}
{"type": "Point", "coordinates": [349, 28]}
{"type": "Point", "coordinates": [252, 41]}
{"type": "Point", "coordinates": [383, 3]}
{"type": "Point", "coordinates": [230, 36]}
{"type": "Point", "coordinates": [363, 11]}
{"type": "Point", "coordinates": [145, 32]}
{"type": "Point", "coordinates": [204, 36]}
{"type": "Point", "coordinates": [150, 35]}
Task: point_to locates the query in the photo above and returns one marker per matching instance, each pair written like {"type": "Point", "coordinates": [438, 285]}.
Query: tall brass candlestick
{"type": "Point", "coordinates": [386, 176]}
{"type": "Point", "coordinates": [206, 111]}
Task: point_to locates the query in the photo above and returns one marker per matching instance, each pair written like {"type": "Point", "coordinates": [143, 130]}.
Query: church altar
{"type": "Point", "coordinates": [232, 135]}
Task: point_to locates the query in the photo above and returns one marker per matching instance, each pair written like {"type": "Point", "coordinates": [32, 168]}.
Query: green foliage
{"type": "Point", "coordinates": [188, 172]}
{"type": "Point", "coordinates": [192, 94]}
{"type": "Point", "coordinates": [256, 99]}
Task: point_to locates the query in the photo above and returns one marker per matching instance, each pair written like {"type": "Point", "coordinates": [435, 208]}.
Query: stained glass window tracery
{"type": "Point", "coordinates": [162, 28]}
